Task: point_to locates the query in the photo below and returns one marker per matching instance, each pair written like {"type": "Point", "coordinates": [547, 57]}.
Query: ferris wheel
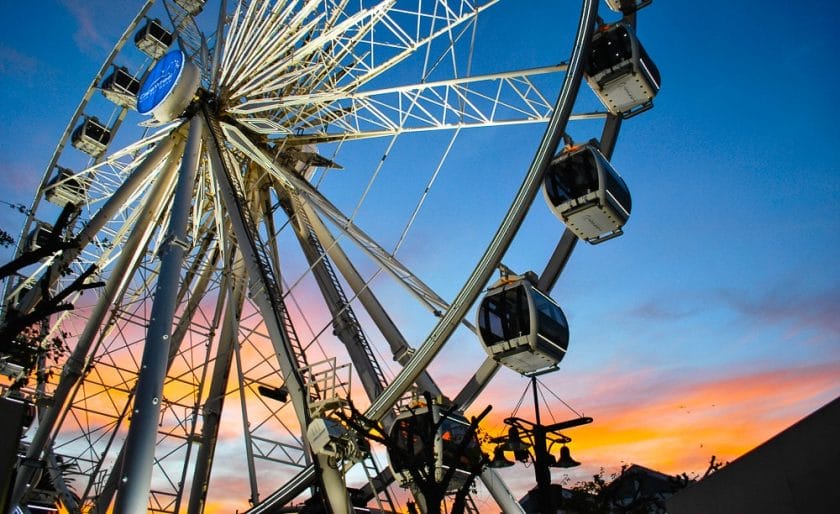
{"type": "Point", "coordinates": [239, 190]}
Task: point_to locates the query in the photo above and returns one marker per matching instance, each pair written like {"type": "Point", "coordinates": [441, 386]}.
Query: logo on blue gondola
{"type": "Point", "coordinates": [160, 82]}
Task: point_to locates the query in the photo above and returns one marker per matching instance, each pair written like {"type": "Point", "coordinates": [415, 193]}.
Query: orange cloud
{"type": "Point", "coordinates": [680, 426]}
{"type": "Point", "coordinates": [677, 426]}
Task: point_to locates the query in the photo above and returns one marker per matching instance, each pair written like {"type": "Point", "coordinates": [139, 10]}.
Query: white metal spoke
{"type": "Point", "coordinates": [427, 295]}
{"type": "Point", "coordinates": [492, 100]}
{"type": "Point", "coordinates": [264, 60]}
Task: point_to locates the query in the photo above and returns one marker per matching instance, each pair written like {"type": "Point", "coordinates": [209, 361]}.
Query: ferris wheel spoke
{"type": "Point", "coordinates": [400, 349]}
{"type": "Point", "coordinates": [340, 37]}
{"type": "Point", "coordinates": [247, 24]}
{"type": "Point", "coordinates": [296, 52]}
{"type": "Point", "coordinates": [270, 49]}
{"type": "Point", "coordinates": [281, 60]}
{"type": "Point", "coordinates": [332, 65]}
{"type": "Point", "coordinates": [423, 292]}
{"type": "Point", "coordinates": [115, 203]}
{"type": "Point", "coordinates": [430, 20]}
{"type": "Point", "coordinates": [190, 36]}
{"type": "Point", "coordinates": [108, 173]}
{"type": "Point", "coordinates": [308, 193]}
{"type": "Point", "coordinates": [484, 101]}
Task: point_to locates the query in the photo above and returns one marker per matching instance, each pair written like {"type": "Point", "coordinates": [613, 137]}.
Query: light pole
{"type": "Point", "coordinates": [524, 434]}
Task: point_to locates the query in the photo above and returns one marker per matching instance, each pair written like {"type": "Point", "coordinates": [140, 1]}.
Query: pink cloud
{"type": "Point", "coordinates": [675, 424]}
{"type": "Point", "coordinates": [15, 62]}
{"type": "Point", "coordinates": [672, 421]}
{"type": "Point", "coordinates": [784, 304]}
{"type": "Point", "coordinates": [90, 18]}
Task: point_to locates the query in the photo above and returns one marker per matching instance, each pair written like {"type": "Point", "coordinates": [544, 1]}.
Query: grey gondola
{"type": "Point", "coordinates": [522, 328]}
{"type": "Point", "coordinates": [91, 137]}
{"type": "Point", "coordinates": [121, 88]}
{"type": "Point", "coordinates": [18, 354]}
{"type": "Point", "coordinates": [38, 237]}
{"type": "Point", "coordinates": [627, 6]}
{"type": "Point", "coordinates": [17, 293]}
{"type": "Point", "coordinates": [191, 6]}
{"type": "Point", "coordinates": [152, 39]}
{"type": "Point", "coordinates": [66, 187]}
{"type": "Point", "coordinates": [413, 428]}
{"type": "Point", "coordinates": [587, 194]}
{"type": "Point", "coordinates": [620, 72]}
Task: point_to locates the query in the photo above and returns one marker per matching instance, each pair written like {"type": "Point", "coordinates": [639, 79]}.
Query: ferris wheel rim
{"type": "Point", "coordinates": [488, 266]}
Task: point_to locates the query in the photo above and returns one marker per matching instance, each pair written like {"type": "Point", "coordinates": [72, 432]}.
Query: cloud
{"type": "Point", "coordinates": [90, 16]}
{"type": "Point", "coordinates": [729, 324]}
{"type": "Point", "coordinates": [15, 62]}
{"type": "Point", "coordinates": [815, 311]}
{"type": "Point", "coordinates": [797, 300]}
{"type": "Point", "coordinates": [670, 420]}
{"type": "Point", "coordinates": [657, 310]}
{"type": "Point", "coordinates": [676, 423]}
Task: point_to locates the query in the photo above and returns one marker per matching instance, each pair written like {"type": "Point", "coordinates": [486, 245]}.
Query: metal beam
{"type": "Point", "coordinates": [218, 383]}
{"type": "Point", "coordinates": [345, 324]}
{"type": "Point", "coordinates": [112, 206]}
{"type": "Point", "coordinates": [266, 294]}
{"type": "Point", "coordinates": [136, 474]}
{"type": "Point", "coordinates": [400, 348]}
{"type": "Point", "coordinates": [135, 245]}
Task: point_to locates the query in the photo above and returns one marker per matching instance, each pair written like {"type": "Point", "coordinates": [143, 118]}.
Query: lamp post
{"type": "Point", "coordinates": [538, 436]}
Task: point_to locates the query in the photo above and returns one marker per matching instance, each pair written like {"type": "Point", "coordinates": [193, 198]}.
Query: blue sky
{"type": "Point", "coordinates": [722, 297]}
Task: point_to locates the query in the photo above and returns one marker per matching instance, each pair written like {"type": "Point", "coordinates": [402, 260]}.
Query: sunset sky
{"type": "Point", "coordinates": [711, 325]}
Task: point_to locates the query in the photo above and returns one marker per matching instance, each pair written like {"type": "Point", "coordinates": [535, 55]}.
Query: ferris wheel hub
{"type": "Point", "coordinates": [169, 88]}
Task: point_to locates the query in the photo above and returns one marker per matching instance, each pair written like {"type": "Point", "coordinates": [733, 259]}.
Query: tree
{"type": "Point", "coordinates": [23, 331]}
{"type": "Point", "coordinates": [6, 240]}
{"type": "Point", "coordinates": [627, 492]}
{"type": "Point", "coordinates": [412, 444]}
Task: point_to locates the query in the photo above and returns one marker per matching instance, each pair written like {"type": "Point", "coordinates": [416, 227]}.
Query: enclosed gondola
{"type": "Point", "coordinates": [191, 6]}
{"type": "Point", "coordinates": [17, 292]}
{"type": "Point", "coordinates": [91, 136]}
{"type": "Point", "coordinates": [152, 39]}
{"type": "Point", "coordinates": [121, 88]}
{"type": "Point", "coordinates": [522, 328]}
{"type": "Point", "coordinates": [38, 237]}
{"type": "Point", "coordinates": [66, 187]}
{"type": "Point", "coordinates": [627, 6]}
{"type": "Point", "coordinates": [416, 439]}
{"type": "Point", "coordinates": [620, 71]}
{"type": "Point", "coordinates": [587, 194]}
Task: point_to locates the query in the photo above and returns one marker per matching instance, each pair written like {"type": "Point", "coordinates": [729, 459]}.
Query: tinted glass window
{"type": "Point", "coordinates": [609, 49]}
{"type": "Point", "coordinates": [551, 322]}
{"type": "Point", "coordinates": [616, 185]}
{"type": "Point", "coordinates": [410, 434]}
{"type": "Point", "coordinates": [504, 316]}
{"type": "Point", "coordinates": [571, 178]}
{"type": "Point", "coordinates": [453, 432]}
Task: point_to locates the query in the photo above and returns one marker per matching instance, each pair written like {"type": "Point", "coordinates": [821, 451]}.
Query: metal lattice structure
{"type": "Point", "coordinates": [235, 274]}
